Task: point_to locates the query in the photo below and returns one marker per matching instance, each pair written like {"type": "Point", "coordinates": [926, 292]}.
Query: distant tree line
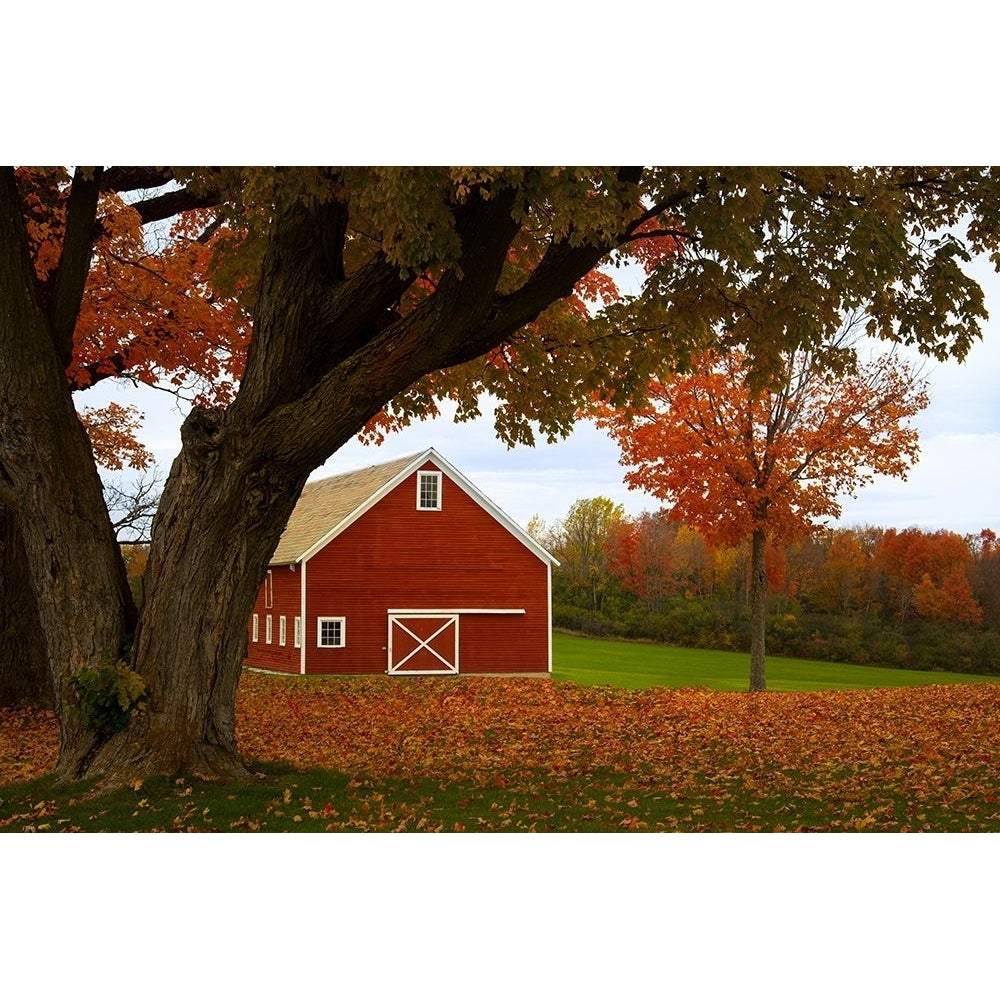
{"type": "Point", "coordinates": [904, 598]}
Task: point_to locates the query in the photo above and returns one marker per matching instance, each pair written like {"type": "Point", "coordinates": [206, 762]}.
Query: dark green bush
{"type": "Point", "coordinates": [105, 696]}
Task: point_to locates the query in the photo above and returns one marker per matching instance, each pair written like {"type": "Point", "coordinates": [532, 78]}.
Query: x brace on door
{"type": "Point", "coordinates": [447, 621]}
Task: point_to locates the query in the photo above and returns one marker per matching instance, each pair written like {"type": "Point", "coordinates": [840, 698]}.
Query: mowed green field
{"type": "Point", "coordinates": [642, 664]}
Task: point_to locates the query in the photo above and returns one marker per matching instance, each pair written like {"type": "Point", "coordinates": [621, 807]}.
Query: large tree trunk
{"type": "Point", "coordinates": [218, 523]}
{"type": "Point", "coordinates": [24, 669]}
{"type": "Point", "coordinates": [758, 611]}
{"type": "Point", "coordinates": [47, 468]}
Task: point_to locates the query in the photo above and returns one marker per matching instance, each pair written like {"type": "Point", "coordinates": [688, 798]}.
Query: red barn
{"type": "Point", "coordinates": [403, 568]}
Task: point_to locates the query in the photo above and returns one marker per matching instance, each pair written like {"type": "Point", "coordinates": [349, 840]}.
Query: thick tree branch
{"type": "Point", "coordinates": [451, 327]}
{"type": "Point", "coordinates": [74, 261]}
{"type": "Point", "coordinates": [122, 179]}
{"type": "Point", "coordinates": [166, 206]}
{"type": "Point", "coordinates": [159, 206]}
{"type": "Point", "coordinates": [332, 318]}
{"type": "Point", "coordinates": [554, 278]}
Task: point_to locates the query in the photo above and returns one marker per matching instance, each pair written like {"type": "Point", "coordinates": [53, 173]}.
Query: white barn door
{"type": "Point", "coordinates": [423, 642]}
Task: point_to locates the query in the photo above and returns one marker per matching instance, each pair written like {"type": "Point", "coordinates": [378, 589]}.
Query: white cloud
{"type": "Point", "coordinates": [954, 486]}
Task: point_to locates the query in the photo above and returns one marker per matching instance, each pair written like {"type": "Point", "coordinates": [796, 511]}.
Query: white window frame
{"type": "Point", "coordinates": [282, 630]}
{"type": "Point", "coordinates": [269, 589]}
{"type": "Point", "coordinates": [421, 477]}
{"type": "Point", "coordinates": [268, 633]}
{"type": "Point", "coordinates": [319, 632]}
{"type": "Point", "coordinates": [255, 629]}
{"type": "Point", "coordinates": [298, 632]}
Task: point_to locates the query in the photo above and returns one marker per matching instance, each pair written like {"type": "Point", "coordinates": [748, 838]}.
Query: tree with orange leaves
{"type": "Point", "coordinates": [767, 464]}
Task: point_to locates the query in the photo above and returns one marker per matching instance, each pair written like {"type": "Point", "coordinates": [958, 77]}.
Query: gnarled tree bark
{"type": "Point", "coordinates": [24, 669]}
{"type": "Point", "coordinates": [78, 578]}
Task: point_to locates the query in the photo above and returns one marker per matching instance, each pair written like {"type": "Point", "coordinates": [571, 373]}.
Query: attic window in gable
{"type": "Point", "coordinates": [428, 491]}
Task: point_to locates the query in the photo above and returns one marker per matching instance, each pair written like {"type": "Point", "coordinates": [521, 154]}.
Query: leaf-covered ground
{"type": "Point", "coordinates": [516, 754]}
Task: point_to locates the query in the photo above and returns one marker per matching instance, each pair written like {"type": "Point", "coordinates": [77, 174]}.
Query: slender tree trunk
{"type": "Point", "coordinates": [24, 669]}
{"type": "Point", "coordinates": [758, 609]}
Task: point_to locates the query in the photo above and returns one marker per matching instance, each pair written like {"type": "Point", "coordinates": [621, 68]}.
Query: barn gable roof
{"type": "Point", "coordinates": [329, 506]}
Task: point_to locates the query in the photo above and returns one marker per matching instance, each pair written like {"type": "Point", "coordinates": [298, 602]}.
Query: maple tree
{"type": "Point", "coordinates": [381, 291]}
{"type": "Point", "coordinates": [766, 464]}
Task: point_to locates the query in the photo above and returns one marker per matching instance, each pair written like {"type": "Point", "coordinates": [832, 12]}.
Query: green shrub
{"type": "Point", "coordinates": [105, 696]}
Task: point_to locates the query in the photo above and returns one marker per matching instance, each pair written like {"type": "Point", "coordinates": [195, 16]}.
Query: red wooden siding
{"type": "Point", "coordinates": [286, 600]}
{"type": "Point", "coordinates": [397, 557]}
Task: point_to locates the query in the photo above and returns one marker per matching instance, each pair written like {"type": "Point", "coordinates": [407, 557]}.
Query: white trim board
{"type": "Point", "coordinates": [455, 611]}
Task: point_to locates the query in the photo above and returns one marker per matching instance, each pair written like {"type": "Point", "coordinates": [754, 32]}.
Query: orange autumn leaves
{"type": "Point", "coordinates": [149, 310]}
{"type": "Point", "coordinates": [444, 727]}
{"type": "Point", "coordinates": [732, 459]}
{"type": "Point", "coordinates": [851, 760]}
{"type": "Point", "coordinates": [29, 744]}
{"type": "Point", "coordinates": [858, 758]}
{"type": "Point", "coordinates": [855, 760]}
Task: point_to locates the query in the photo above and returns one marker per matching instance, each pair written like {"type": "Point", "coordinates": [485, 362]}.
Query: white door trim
{"type": "Point", "coordinates": [397, 619]}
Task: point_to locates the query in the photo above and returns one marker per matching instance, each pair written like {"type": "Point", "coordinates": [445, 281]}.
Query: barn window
{"type": "Point", "coordinates": [428, 491]}
{"type": "Point", "coordinates": [298, 632]}
{"type": "Point", "coordinates": [255, 631]}
{"type": "Point", "coordinates": [282, 631]}
{"type": "Point", "coordinates": [269, 590]}
{"type": "Point", "coordinates": [267, 628]}
{"type": "Point", "coordinates": [331, 632]}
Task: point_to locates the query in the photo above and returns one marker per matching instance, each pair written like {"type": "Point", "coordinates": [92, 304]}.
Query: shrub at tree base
{"type": "Point", "coordinates": [105, 696]}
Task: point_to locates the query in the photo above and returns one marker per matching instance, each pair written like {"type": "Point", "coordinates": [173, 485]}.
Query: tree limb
{"type": "Point", "coordinates": [74, 261]}
{"type": "Point", "coordinates": [135, 178]}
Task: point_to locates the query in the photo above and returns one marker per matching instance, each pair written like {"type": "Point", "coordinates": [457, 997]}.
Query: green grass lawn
{"type": "Point", "coordinates": [643, 664]}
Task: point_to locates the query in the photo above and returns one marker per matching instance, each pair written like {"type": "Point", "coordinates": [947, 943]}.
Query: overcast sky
{"type": "Point", "coordinates": [955, 485]}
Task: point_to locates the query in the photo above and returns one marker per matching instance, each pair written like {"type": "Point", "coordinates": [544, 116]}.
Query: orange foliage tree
{"type": "Point", "coordinates": [739, 462]}
{"type": "Point", "coordinates": [927, 572]}
{"type": "Point", "coordinates": [641, 556]}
